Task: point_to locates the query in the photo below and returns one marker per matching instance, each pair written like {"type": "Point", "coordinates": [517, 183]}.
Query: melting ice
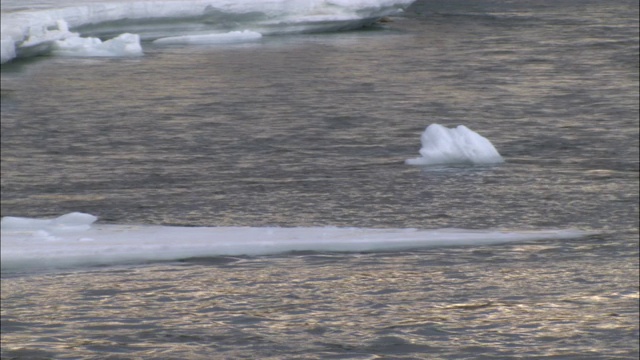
{"type": "Point", "coordinates": [74, 240]}
{"type": "Point", "coordinates": [460, 145]}
{"type": "Point", "coordinates": [230, 37]}
{"type": "Point", "coordinates": [28, 31]}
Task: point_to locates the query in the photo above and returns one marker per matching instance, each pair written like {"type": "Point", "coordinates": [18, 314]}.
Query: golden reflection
{"type": "Point", "coordinates": [313, 302]}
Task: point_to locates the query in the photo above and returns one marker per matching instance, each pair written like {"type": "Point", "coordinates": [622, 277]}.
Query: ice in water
{"type": "Point", "coordinates": [74, 240]}
{"type": "Point", "coordinates": [29, 32]}
{"type": "Point", "coordinates": [460, 145]}
{"type": "Point", "coordinates": [75, 221]}
{"type": "Point", "coordinates": [120, 46]}
{"type": "Point", "coordinates": [205, 39]}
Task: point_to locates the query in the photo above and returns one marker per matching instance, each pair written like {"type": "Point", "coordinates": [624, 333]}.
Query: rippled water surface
{"type": "Point", "coordinates": [313, 130]}
{"type": "Point", "coordinates": [520, 301]}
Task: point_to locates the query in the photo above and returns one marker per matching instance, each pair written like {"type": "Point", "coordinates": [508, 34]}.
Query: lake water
{"type": "Point", "coordinates": [311, 129]}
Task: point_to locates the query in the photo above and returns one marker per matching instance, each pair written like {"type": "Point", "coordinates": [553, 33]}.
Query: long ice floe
{"type": "Point", "coordinates": [73, 240]}
{"type": "Point", "coordinates": [460, 145]}
{"type": "Point", "coordinates": [225, 38]}
{"type": "Point", "coordinates": [28, 32]}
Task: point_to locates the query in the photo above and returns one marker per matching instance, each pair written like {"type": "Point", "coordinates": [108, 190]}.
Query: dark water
{"type": "Point", "coordinates": [312, 130]}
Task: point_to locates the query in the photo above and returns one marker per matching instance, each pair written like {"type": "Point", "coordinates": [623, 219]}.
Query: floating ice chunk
{"type": "Point", "coordinates": [461, 145]}
{"type": "Point", "coordinates": [28, 243]}
{"type": "Point", "coordinates": [75, 218]}
{"type": "Point", "coordinates": [71, 222]}
{"type": "Point", "coordinates": [122, 45]}
{"type": "Point", "coordinates": [41, 38]}
{"type": "Point", "coordinates": [222, 38]}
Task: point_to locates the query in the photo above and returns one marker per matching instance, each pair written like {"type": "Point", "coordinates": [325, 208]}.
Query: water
{"type": "Point", "coordinates": [313, 130]}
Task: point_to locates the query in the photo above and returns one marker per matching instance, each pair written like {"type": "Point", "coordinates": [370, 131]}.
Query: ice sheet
{"type": "Point", "coordinates": [28, 32]}
{"type": "Point", "coordinates": [73, 240]}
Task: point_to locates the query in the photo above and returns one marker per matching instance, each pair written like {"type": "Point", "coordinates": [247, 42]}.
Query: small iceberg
{"type": "Point", "coordinates": [460, 145]}
{"type": "Point", "coordinates": [58, 40]}
{"type": "Point", "coordinates": [121, 46]}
